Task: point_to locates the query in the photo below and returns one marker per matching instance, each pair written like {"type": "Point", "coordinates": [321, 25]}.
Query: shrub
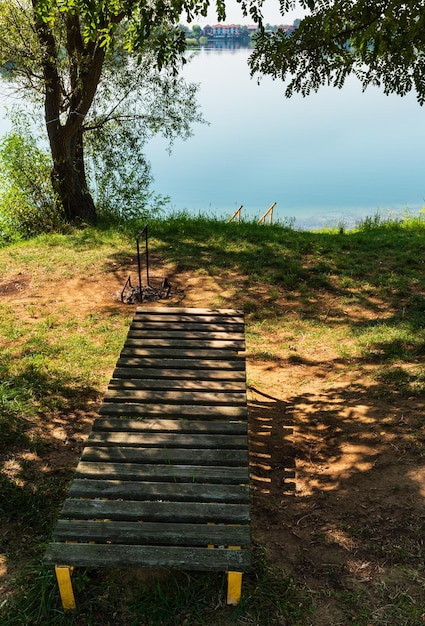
{"type": "Point", "coordinates": [27, 202]}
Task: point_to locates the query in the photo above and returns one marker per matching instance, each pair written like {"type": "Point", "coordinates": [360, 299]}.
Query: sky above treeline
{"type": "Point", "coordinates": [234, 15]}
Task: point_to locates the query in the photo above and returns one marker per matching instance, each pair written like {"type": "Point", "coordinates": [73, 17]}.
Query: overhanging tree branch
{"type": "Point", "coordinates": [381, 42]}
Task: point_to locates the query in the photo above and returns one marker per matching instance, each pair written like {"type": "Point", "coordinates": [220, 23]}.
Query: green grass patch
{"type": "Point", "coordinates": [162, 598]}
{"type": "Point", "coordinates": [360, 295]}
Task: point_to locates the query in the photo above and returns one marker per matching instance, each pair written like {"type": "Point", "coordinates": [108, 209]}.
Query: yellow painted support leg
{"type": "Point", "coordinates": [234, 587]}
{"type": "Point", "coordinates": [63, 575]}
{"type": "Point", "coordinates": [234, 583]}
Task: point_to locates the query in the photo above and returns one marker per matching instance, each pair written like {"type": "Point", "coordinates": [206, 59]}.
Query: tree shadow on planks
{"type": "Point", "coordinates": [271, 451]}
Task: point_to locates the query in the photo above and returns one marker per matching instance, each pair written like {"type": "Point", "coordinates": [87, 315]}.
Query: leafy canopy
{"type": "Point", "coordinates": [152, 23]}
{"type": "Point", "coordinates": [102, 101]}
{"type": "Point", "coordinates": [381, 42]}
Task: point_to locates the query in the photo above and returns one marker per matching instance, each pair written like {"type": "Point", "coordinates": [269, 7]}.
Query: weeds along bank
{"type": "Point", "coordinates": [335, 333]}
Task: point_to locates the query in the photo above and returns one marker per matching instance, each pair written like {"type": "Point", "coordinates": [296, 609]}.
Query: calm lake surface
{"type": "Point", "coordinates": [334, 157]}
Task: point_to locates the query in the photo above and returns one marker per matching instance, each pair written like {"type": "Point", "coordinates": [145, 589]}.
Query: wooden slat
{"type": "Point", "coordinates": [170, 384]}
{"type": "Point", "coordinates": [185, 348]}
{"type": "Point", "coordinates": [161, 325]}
{"type": "Point", "coordinates": [115, 454]}
{"type": "Point", "coordinates": [174, 557]}
{"type": "Point", "coordinates": [194, 311]}
{"type": "Point", "coordinates": [153, 396]}
{"type": "Point", "coordinates": [170, 426]}
{"type": "Point", "coordinates": [192, 335]}
{"type": "Point", "coordinates": [178, 473]}
{"type": "Point", "coordinates": [178, 314]}
{"type": "Point", "coordinates": [175, 410]}
{"type": "Point", "coordinates": [165, 351]}
{"type": "Point", "coordinates": [187, 344]}
{"type": "Point", "coordinates": [138, 370]}
{"type": "Point", "coordinates": [188, 319]}
{"type": "Point", "coordinates": [151, 533]}
{"type": "Point", "coordinates": [226, 362]}
{"type": "Point", "coordinates": [142, 490]}
{"type": "Point", "coordinates": [131, 510]}
{"type": "Point", "coordinates": [167, 441]}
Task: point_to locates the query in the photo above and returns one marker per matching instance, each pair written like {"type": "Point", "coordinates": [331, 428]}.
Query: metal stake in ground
{"type": "Point", "coordinates": [144, 231]}
{"type": "Point", "coordinates": [148, 292]}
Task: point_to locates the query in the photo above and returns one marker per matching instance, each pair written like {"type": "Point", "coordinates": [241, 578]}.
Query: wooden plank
{"type": "Point", "coordinates": [185, 441]}
{"type": "Point", "coordinates": [170, 384]}
{"type": "Point", "coordinates": [116, 454]}
{"type": "Point", "coordinates": [153, 396]}
{"type": "Point", "coordinates": [166, 310]}
{"type": "Point", "coordinates": [231, 362]}
{"type": "Point", "coordinates": [189, 319]}
{"type": "Point", "coordinates": [186, 344]}
{"type": "Point", "coordinates": [151, 533]}
{"type": "Point", "coordinates": [140, 371]}
{"type": "Point", "coordinates": [206, 316]}
{"type": "Point", "coordinates": [165, 351]}
{"type": "Point", "coordinates": [132, 511]}
{"type": "Point", "coordinates": [178, 473]}
{"type": "Point", "coordinates": [170, 426]}
{"type": "Point", "coordinates": [142, 490]}
{"type": "Point", "coordinates": [192, 335]}
{"type": "Point", "coordinates": [175, 410]}
{"type": "Point", "coordinates": [192, 326]}
{"type": "Point", "coordinates": [174, 557]}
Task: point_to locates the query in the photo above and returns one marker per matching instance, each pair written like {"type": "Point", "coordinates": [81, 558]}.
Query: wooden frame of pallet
{"type": "Point", "coordinates": [163, 479]}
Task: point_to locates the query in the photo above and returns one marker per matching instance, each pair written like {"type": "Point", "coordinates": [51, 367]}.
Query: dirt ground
{"type": "Point", "coordinates": [338, 472]}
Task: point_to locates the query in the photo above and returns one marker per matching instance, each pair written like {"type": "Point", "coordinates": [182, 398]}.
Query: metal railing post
{"type": "Point", "coordinates": [144, 231]}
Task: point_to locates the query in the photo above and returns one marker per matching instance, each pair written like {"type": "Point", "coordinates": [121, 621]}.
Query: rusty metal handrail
{"type": "Point", "coordinates": [144, 231]}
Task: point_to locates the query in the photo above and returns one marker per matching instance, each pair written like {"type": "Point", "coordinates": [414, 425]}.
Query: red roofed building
{"type": "Point", "coordinates": [223, 30]}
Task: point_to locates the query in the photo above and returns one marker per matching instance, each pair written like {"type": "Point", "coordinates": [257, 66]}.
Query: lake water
{"type": "Point", "coordinates": [334, 157]}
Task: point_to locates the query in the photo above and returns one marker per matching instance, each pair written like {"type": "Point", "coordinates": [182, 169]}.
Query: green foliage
{"type": "Point", "coordinates": [97, 67]}
{"type": "Point", "coordinates": [148, 25]}
{"type": "Point", "coordinates": [133, 103]}
{"type": "Point", "coordinates": [381, 43]}
{"type": "Point", "coordinates": [27, 203]}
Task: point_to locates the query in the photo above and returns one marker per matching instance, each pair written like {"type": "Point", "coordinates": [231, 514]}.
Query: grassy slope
{"type": "Point", "coordinates": [55, 363]}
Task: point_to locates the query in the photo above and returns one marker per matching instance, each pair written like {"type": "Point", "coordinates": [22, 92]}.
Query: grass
{"type": "Point", "coordinates": [166, 598]}
{"type": "Point", "coordinates": [359, 294]}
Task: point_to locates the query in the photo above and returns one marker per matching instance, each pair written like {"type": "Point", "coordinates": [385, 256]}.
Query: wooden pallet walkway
{"type": "Point", "coordinates": [163, 479]}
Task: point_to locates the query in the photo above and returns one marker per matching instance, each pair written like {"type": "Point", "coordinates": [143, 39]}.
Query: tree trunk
{"type": "Point", "coordinates": [66, 136]}
{"type": "Point", "coordinates": [69, 176]}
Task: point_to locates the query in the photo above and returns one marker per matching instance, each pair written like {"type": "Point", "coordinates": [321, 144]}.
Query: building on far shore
{"type": "Point", "coordinates": [220, 31]}
{"type": "Point", "coordinates": [236, 31]}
